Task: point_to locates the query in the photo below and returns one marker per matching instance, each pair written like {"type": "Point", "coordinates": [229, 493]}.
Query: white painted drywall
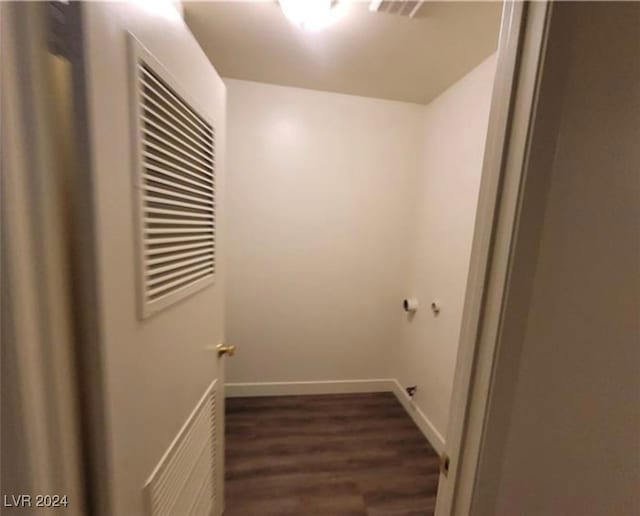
{"type": "Point", "coordinates": [453, 138]}
{"type": "Point", "coordinates": [319, 189]}
{"type": "Point", "coordinates": [572, 438]}
{"type": "Point", "coordinates": [339, 207]}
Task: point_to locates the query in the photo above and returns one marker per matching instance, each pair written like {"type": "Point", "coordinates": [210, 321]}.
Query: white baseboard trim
{"type": "Point", "coordinates": [237, 390]}
{"type": "Point", "coordinates": [422, 421]}
{"type": "Point", "coordinates": [240, 390]}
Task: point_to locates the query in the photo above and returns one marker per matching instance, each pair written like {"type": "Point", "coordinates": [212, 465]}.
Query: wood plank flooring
{"type": "Point", "coordinates": [333, 455]}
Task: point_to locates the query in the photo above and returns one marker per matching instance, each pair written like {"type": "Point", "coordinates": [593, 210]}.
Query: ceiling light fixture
{"type": "Point", "coordinates": [312, 14]}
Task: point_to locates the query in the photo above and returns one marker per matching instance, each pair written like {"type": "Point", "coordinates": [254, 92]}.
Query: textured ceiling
{"type": "Point", "coordinates": [370, 54]}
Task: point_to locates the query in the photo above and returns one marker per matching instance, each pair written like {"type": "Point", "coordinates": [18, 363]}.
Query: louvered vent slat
{"type": "Point", "coordinates": [181, 152]}
{"type": "Point", "coordinates": [184, 481]}
{"type": "Point", "coordinates": [161, 190]}
{"type": "Point", "coordinates": [156, 105]}
{"type": "Point", "coordinates": [160, 242]}
{"type": "Point", "coordinates": [159, 162]}
{"type": "Point", "coordinates": [168, 250]}
{"type": "Point", "coordinates": [161, 125]}
{"type": "Point", "coordinates": [170, 104]}
{"type": "Point", "coordinates": [178, 103]}
{"type": "Point", "coordinates": [158, 147]}
{"type": "Point", "coordinates": [158, 221]}
{"type": "Point", "coordinates": [176, 183]}
{"type": "Point", "coordinates": [178, 256]}
{"type": "Point", "coordinates": [165, 201]}
{"type": "Point", "coordinates": [160, 289]}
{"type": "Point", "coordinates": [159, 213]}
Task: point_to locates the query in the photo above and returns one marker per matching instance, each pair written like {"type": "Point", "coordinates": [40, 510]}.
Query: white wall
{"type": "Point", "coordinates": [570, 443]}
{"type": "Point", "coordinates": [453, 137]}
{"type": "Point", "coordinates": [338, 208]}
{"type": "Point", "coordinates": [318, 202]}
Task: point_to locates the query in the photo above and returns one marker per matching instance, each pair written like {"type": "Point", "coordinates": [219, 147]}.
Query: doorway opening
{"type": "Point", "coordinates": [354, 161]}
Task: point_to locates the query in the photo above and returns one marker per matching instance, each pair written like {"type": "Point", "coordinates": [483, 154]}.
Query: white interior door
{"type": "Point", "coordinates": [155, 129]}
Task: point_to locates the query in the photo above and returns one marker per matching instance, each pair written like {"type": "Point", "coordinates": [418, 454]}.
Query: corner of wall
{"type": "Point", "coordinates": [453, 135]}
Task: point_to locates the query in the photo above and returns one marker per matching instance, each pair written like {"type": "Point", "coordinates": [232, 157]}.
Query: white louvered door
{"type": "Point", "coordinates": [154, 131]}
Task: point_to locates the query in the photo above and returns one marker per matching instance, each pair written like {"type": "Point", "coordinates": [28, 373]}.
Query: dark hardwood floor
{"type": "Point", "coordinates": [333, 455]}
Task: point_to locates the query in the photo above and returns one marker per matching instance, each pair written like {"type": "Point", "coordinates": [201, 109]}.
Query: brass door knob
{"type": "Point", "coordinates": [223, 349]}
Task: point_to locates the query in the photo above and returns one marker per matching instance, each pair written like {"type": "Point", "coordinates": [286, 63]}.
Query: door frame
{"type": "Point", "coordinates": [522, 44]}
{"type": "Point", "coordinates": [44, 443]}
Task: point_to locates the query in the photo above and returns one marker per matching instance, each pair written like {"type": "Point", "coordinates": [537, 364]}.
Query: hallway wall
{"type": "Point", "coordinates": [562, 433]}
{"type": "Point", "coordinates": [318, 191]}
{"type": "Point", "coordinates": [453, 135]}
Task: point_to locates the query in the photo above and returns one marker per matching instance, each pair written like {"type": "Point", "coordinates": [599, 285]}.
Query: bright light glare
{"type": "Point", "coordinates": [375, 5]}
{"type": "Point", "coordinates": [313, 14]}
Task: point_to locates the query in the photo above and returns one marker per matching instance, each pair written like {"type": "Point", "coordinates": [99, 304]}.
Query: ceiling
{"type": "Point", "coordinates": [370, 54]}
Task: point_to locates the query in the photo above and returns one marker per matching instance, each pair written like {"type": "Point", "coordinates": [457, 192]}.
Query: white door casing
{"type": "Point", "coordinates": [522, 42]}
{"type": "Point", "coordinates": [41, 446]}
